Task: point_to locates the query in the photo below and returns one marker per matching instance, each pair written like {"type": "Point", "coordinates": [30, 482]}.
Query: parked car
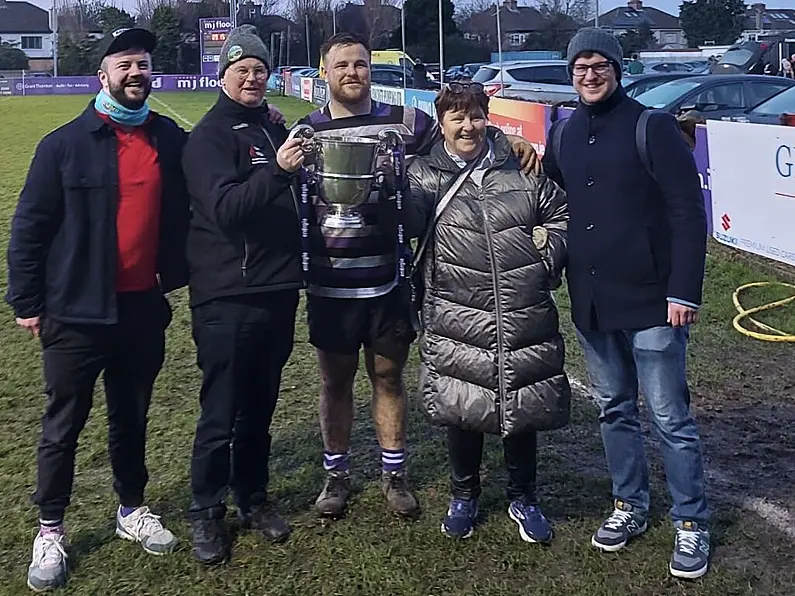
{"type": "Point", "coordinates": [536, 80]}
{"type": "Point", "coordinates": [714, 96]}
{"type": "Point", "coordinates": [747, 57]}
{"type": "Point", "coordinates": [634, 85]}
{"type": "Point", "coordinates": [667, 67]}
{"type": "Point", "coordinates": [771, 110]}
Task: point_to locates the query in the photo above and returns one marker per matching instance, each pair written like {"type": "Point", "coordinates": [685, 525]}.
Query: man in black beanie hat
{"type": "Point", "coordinates": [244, 253]}
{"type": "Point", "coordinates": [637, 243]}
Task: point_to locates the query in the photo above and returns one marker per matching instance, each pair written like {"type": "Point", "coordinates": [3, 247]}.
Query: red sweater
{"type": "Point", "coordinates": [138, 214]}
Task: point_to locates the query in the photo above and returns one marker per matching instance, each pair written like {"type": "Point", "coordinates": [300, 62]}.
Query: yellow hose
{"type": "Point", "coordinates": [773, 333]}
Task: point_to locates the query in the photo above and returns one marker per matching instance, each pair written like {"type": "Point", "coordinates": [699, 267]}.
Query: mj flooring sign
{"type": "Point", "coordinates": [212, 35]}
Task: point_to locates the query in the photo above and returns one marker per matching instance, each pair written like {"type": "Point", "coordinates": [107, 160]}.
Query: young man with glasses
{"type": "Point", "coordinates": [244, 254]}
{"type": "Point", "coordinates": [637, 244]}
{"type": "Point", "coordinates": [353, 298]}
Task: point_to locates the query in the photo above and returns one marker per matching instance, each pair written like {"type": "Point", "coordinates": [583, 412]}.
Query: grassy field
{"type": "Point", "coordinates": [743, 392]}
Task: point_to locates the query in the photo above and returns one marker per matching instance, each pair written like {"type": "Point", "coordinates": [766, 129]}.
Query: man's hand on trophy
{"type": "Point", "coordinates": [275, 115]}
{"type": "Point", "coordinates": [526, 153]}
{"type": "Point", "coordinates": [290, 156]}
{"type": "Point", "coordinates": [385, 178]}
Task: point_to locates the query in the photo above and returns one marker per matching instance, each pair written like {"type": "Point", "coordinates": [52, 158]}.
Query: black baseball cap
{"type": "Point", "coordinates": [126, 38]}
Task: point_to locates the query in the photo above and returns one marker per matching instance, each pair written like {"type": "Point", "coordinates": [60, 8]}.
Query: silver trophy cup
{"type": "Point", "coordinates": [345, 170]}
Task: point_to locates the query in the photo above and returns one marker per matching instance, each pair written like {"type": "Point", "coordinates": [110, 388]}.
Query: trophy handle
{"type": "Point", "coordinates": [306, 134]}
{"type": "Point", "coordinates": [303, 131]}
{"type": "Point", "coordinates": [390, 143]}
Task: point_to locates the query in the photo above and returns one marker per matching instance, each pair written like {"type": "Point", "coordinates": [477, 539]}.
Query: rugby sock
{"type": "Point", "coordinates": [336, 462]}
{"type": "Point", "coordinates": [47, 526]}
{"type": "Point", "coordinates": [125, 511]}
{"type": "Point", "coordinates": [392, 460]}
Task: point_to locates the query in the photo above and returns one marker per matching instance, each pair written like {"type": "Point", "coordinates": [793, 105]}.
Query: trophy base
{"type": "Point", "coordinates": [344, 220]}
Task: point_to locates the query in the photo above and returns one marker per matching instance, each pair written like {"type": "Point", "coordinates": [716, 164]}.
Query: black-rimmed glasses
{"type": "Point", "coordinates": [472, 87]}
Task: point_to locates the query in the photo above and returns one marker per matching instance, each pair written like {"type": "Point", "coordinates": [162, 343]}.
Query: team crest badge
{"type": "Point", "coordinates": [234, 53]}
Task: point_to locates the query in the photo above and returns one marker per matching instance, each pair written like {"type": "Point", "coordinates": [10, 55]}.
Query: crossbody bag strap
{"type": "Point", "coordinates": [440, 207]}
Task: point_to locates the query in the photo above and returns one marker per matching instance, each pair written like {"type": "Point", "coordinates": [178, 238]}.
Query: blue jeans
{"type": "Point", "coordinates": [617, 361]}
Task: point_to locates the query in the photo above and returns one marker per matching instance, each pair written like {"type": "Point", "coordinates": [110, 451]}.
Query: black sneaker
{"type": "Point", "coordinates": [622, 525]}
{"type": "Point", "coordinates": [266, 521]}
{"type": "Point", "coordinates": [334, 496]}
{"type": "Point", "coordinates": [399, 498]}
{"type": "Point", "coordinates": [212, 542]}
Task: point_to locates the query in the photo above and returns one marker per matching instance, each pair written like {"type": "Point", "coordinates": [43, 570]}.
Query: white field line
{"type": "Point", "coordinates": [179, 116]}
{"type": "Point", "coordinates": [777, 516]}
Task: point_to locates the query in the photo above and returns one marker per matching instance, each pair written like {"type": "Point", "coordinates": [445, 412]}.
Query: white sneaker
{"type": "Point", "coordinates": [47, 569]}
{"type": "Point", "coordinates": [144, 527]}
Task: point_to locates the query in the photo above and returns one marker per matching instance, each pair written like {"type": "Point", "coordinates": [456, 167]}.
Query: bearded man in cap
{"type": "Point", "coordinates": [637, 246]}
{"type": "Point", "coordinates": [244, 252]}
{"type": "Point", "coordinates": [97, 239]}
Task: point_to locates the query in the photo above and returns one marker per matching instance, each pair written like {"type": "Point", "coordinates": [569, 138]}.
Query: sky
{"type": "Point", "coordinates": [669, 6]}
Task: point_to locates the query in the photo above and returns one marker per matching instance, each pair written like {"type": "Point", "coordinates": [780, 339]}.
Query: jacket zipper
{"type": "Point", "coordinates": [498, 308]}
{"type": "Point", "coordinates": [244, 264]}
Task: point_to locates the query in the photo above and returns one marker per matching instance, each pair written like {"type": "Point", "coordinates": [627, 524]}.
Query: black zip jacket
{"type": "Point", "coordinates": [244, 234]}
{"type": "Point", "coordinates": [62, 256]}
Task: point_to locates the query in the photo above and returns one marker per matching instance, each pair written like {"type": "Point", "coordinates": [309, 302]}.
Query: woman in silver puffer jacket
{"type": "Point", "coordinates": [491, 352]}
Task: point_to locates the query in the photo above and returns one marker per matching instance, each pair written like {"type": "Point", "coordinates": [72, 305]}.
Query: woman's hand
{"type": "Point", "coordinates": [526, 153]}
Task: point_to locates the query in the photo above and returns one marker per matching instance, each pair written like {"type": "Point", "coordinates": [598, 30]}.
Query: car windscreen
{"type": "Point", "coordinates": [737, 56]}
{"type": "Point", "coordinates": [485, 74]}
{"type": "Point", "coordinates": [661, 96]}
{"type": "Point", "coordinates": [782, 103]}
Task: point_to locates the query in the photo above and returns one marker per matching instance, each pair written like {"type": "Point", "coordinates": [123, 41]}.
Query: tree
{"type": "Point", "coordinates": [381, 17]}
{"type": "Point", "coordinates": [317, 13]}
{"type": "Point", "coordinates": [165, 25]}
{"type": "Point", "coordinates": [112, 18]}
{"type": "Point", "coordinates": [422, 28]}
{"type": "Point", "coordinates": [77, 55]}
{"type": "Point", "coordinates": [716, 21]}
{"type": "Point", "coordinates": [576, 11]}
{"type": "Point", "coordinates": [12, 58]}
{"type": "Point", "coordinates": [636, 40]}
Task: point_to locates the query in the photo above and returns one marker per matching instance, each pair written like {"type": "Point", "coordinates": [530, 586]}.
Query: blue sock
{"type": "Point", "coordinates": [336, 462]}
{"type": "Point", "coordinates": [125, 511]}
{"type": "Point", "coordinates": [392, 460]}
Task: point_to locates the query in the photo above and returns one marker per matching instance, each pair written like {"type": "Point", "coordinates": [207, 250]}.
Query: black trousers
{"type": "Point", "coordinates": [465, 449]}
{"type": "Point", "coordinates": [242, 346]}
{"type": "Point", "coordinates": [130, 353]}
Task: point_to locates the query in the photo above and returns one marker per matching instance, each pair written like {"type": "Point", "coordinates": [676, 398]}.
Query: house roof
{"type": "Point", "coordinates": [17, 16]}
{"type": "Point", "coordinates": [627, 17]}
{"type": "Point", "coordinates": [769, 19]}
{"type": "Point", "coordinates": [519, 19]}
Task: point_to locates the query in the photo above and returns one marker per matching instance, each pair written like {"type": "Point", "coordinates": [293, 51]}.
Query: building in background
{"type": "Point", "coordinates": [664, 27]}
{"type": "Point", "coordinates": [27, 27]}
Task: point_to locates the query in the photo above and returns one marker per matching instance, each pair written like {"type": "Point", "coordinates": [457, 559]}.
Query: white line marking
{"type": "Point", "coordinates": [173, 111]}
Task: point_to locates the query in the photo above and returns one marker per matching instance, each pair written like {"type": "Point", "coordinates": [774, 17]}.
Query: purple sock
{"type": "Point", "coordinates": [51, 526]}
{"type": "Point", "coordinates": [125, 511]}
{"type": "Point", "coordinates": [336, 462]}
{"type": "Point", "coordinates": [392, 460]}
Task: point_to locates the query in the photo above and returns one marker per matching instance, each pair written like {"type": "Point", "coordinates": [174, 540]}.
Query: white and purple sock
{"type": "Point", "coordinates": [125, 511]}
{"type": "Point", "coordinates": [392, 460]}
{"type": "Point", "coordinates": [336, 462]}
{"type": "Point", "coordinates": [54, 526]}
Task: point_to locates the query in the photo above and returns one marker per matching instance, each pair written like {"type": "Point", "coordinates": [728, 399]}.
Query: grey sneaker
{"type": "Point", "coordinates": [47, 569]}
{"type": "Point", "coordinates": [399, 499]}
{"type": "Point", "coordinates": [144, 527]}
{"type": "Point", "coordinates": [332, 499]}
{"type": "Point", "coordinates": [691, 551]}
{"type": "Point", "coordinates": [622, 525]}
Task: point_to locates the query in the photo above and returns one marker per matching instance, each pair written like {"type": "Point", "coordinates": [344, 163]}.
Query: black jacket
{"type": "Point", "coordinates": [62, 256]}
{"type": "Point", "coordinates": [635, 240]}
{"type": "Point", "coordinates": [244, 235]}
{"type": "Point", "coordinates": [491, 352]}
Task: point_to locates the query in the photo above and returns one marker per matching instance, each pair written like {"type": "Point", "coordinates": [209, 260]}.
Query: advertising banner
{"type": "Point", "coordinates": [521, 118]}
{"type": "Point", "coordinates": [295, 86]}
{"type": "Point", "coordinates": [390, 95]}
{"type": "Point", "coordinates": [753, 189]}
{"type": "Point", "coordinates": [702, 164]}
{"type": "Point", "coordinates": [76, 85]}
{"type": "Point", "coordinates": [306, 88]}
{"type": "Point", "coordinates": [421, 100]}
{"type": "Point", "coordinates": [5, 87]}
{"type": "Point", "coordinates": [212, 35]}
{"type": "Point", "coordinates": [319, 92]}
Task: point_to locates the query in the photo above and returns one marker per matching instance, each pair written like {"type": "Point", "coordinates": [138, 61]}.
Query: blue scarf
{"type": "Point", "coordinates": [105, 104]}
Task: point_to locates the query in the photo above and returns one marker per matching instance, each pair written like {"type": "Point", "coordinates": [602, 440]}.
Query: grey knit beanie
{"type": "Point", "coordinates": [591, 39]}
{"type": "Point", "coordinates": [242, 42]}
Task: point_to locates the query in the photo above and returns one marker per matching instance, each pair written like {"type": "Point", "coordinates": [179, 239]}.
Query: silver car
{"type": "Point", "coordinates": [534, 80]}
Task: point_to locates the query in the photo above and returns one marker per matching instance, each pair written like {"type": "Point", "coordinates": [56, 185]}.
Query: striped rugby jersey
{"type": "Point", "coordinates": [363, 263]}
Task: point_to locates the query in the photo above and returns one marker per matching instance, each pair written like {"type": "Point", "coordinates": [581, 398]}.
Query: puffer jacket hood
{"type": "Point", "coordinates": [491, 352]}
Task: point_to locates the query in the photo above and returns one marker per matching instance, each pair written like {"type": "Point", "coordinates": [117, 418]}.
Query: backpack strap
{"type": "Point", "coordinates": [642, 140]}
{"type": "Point", "coordinates": [556, 138]}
